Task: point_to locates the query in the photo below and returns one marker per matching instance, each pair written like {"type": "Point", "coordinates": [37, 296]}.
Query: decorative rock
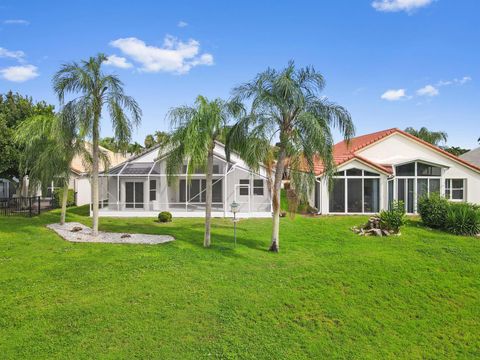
{"type": "Point", "coordinates": [76, 229]}
{"type": "Point", "coordinates": [124, 236]}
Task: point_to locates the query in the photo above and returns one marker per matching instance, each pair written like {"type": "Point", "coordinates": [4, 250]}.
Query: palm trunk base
{"type": "Point", "coordinates": [273, 247]}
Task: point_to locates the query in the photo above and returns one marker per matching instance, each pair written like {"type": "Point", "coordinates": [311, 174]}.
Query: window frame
{"type": "Point", "coordinates": [152, 190]}
{"type": "Point", "coordinates": [257, 188]}
{"type": "Point", "coordinates": [243, 187]}
{"type": "Point", "coordinates": [449, 189]}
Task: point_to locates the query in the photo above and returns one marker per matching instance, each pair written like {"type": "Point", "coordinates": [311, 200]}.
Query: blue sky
{"type": "Point", "coordinates": [391, 63]}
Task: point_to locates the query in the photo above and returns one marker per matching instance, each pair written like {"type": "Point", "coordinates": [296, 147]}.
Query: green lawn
{"type": "Point", "coordinates": [328, 294]}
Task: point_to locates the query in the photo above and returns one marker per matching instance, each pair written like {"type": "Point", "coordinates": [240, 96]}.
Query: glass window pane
{"type": "Point", "coordinates": [434, 186]}
{"type": "Point", "coordinates": [194, 191]}
{"type": "Point", "coordinates": [422, 188]}
{"type": "Point", "coordinates": [129, 194]}
{"type": "Point", "coordinates": [153, 184]}
{"type": "Point", "coordinates": [258, 187]}
{"type": "Point", "coordinates": [354, 195]}
{"type": "Point", "coordinates": [411, 193]}
{"type": "Point", "coordinates": [244, 189]}
{"type": "Point", "coordinates": [354, 172]}
{"type": "Point", "coordinates": [368, 173]}
{"type": "Point", "coordinates": [390, 194]}
{"type": "Point", "coordinates": [337, 196]}
{"type": "Point", "coordinates": [139, 194]}
{"type": "Point", "coordinates": [371, 195]}
{"type": "Point", "coordinates": [457, 183]}
{"type": "Point", "coordinates": [406, 170]}
{"type": "Point", "coordinates": [428, 170]}
{"type": "Point", "coordinates": [340, 173]}
{"type": "Point", "coordinates": [401, 190]}
{"type": "Point", "coordinates": [457, 194]}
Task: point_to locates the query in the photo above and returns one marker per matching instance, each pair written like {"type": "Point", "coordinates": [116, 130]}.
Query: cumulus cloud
{"type": "Point", "coordinates": [182, 24]}
{"type": "Point", "coordinates": [17, 55]}
{"type": "Point", "coordinates": [428, 90]}
{"type": "Point", "coordinates": [16, 22]}
{"type": "Point", "coordinates": [118, 61]}
{"type": "Point", "coordinates": [174, 56]}
{"type": "Point", "coordinates": [19, 73]}
{"type": "Point", "coordinates": [394, 95]}
{"type": "Point", "coordinates": [399, 5]}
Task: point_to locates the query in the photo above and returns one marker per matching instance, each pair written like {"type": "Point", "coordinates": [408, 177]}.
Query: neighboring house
{"type": "Point", "coordinates": [80, 175]}
{"type": "Point", "coordinates": [473, 156]}
{"type": "Point", "coordinates": [139, 187]}
{"type": "Point", "coordinates": [375, 169]}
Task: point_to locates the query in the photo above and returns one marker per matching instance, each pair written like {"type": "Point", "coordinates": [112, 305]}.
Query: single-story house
{"type": "Point", "coordinates": [473, 156]}
{"type": "Point", "coordinates": [139, 187]}
{"type": "Point", "coordinates": [374, 170]}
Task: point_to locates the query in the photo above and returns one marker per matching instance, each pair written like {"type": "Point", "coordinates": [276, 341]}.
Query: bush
{"type": "Point", "coordinates": [463, 219]}
{"type": "Point", "coordinates": [393, 218]}
{"type": "Point", "coordinates": [433, 210]}
{"type": "Point", "coordinates": [58, 196]}
{"type": "Point", "coordinates": [165, 216]}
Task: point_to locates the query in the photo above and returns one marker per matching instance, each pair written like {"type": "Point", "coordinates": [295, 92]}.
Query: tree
{"type": "Point", "coordinates": [96, 91]}
{"type": "Point", "coordinates": [109, 143]}
{"type": "Point", "coordinates": [15, 108]}
{"type": "Point", "coordinates": [50, 142]}
{"type": "Point", "coordinates": [134, 148]}
{"type": "Point", "coordinates": [196, 128]}
{"type": "Point", "coordinates": [455, 150]}
{"type": "Point", "coordinates": [287, 105]}
{"type": "Point", "coordinates": [149, 141]}
{"type": "Point", "coordinates": [432, 137]}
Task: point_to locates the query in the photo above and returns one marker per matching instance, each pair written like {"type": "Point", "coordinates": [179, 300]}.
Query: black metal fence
{"type": "Point", "coordinates": [26, 206]}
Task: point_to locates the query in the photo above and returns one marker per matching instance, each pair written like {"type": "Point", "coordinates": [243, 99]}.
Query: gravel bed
{"type": "Point", "coordinates": [82, 233]}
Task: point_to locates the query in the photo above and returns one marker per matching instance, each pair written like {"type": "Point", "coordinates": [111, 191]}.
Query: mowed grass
{"type": "Point", "coordinates": [327, 294]}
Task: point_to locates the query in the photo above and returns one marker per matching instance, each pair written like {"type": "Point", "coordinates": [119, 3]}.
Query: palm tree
{"type": "Point", "coordinates": [286, 105]}
{"type": "Point", "coordinates": [96, 91]}
{"type": "Point", "coordinates": [50, 142]}
{"type": "Point", "coordinates": [432, 137]}
{"type": "Point", "coordinates": [149, 141]}
{"type": "Point", "coordinates": [195, 130]}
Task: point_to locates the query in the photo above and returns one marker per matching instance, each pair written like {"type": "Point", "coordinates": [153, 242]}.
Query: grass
{"type": "Point", "coordinates": [328, 294]}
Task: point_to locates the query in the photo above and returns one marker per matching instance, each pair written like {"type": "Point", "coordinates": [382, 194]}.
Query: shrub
{"type": "Point", "coordinates": [433, 210]}
{"type": "Point", "coordinates": [58, 196]}
{"type": "Point", "coordinates": [165, 216]}
{"type": "Point", "coordinates": [463, 219]}
{"type": "Point", "coordinates": [393, 218]}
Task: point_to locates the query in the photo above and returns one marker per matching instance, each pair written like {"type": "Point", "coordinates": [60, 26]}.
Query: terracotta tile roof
{"type": "Point", "coordinates": [343, 151]}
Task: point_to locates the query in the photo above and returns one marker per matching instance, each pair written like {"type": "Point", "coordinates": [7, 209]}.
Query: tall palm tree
{"type": "Point", "coordinates": [95, 91]}
{"type": "Point", "coordinates": [195, 130]}
{"type": "Point", "coordinates": [432, 137]}
{"type": "Point", "coordinates": [149, 141]}
{"type": "Point", "coordinates": [50, 142]}
{"type": "Point", "coordinates": [287, 106]}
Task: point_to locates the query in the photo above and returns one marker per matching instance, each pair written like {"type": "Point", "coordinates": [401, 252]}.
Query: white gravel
{"type": "Point", "coordinates": [85, 235]}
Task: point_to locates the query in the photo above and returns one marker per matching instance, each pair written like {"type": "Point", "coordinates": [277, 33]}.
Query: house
{"type": "Point", "coordinates": [473, 156]}
{"type": "Point", "coordinates": [374, 170]}
{"type": "Point", "coordinates": [80, 174]}
{"type": "Point", "coordinates": [140, 187]}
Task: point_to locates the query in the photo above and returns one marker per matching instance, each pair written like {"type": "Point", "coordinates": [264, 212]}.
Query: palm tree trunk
{"type": "Point", "coordinates": [64, 204]}
{"type": "Point", "coordinates": [208, 198]}
{"type": "Point", "coordinates": [95, 139]}
{"type": "Point", "coordinates": [275, 245]}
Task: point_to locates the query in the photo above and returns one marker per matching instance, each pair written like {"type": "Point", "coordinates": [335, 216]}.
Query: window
{"type": "Point", "coordinates": [406, 170]}
{"type": "Point", "coordinates": [354, 172]}
{"type": "Point", "coordinates": [354, 187]}
{"type": "Point", "coordinates": [197, 190]}
{"type": "Point", "coordinates": [245, 186]}
{"type": "Point", "coordinates": [258, 187]}
{"type": "Point", "coordinates": [368, 173]}
{"type": "Point", "coordinates": [455, 189]}
{"type": "Point", "coordinates": [337, 196]}
{"type": "Point", "coordinates": [153, 190]}
{"type": "Point", "coordinates": [428, 170]}
{"type": "Point", "coordinates": [371, 191]}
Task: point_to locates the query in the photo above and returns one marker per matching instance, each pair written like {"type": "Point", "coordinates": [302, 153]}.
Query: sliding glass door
{"type": "Point", "coordinates": [134, 195]}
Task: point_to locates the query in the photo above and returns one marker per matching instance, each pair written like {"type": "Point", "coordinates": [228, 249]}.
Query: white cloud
{"type": "Point", "coordinates": [17, 55]}
{"type": "Point", "coordinates": [428, 90]}
{"type": "Point", "coordinates": [394, 95]}
{"type": "Point", "coordinates": [174, 56]}
{"type": "Point", "coordinates": [455, 81]}
{"type": "Point", "coordinates": [118, 61]}
{"type": "Point", "coordinates": [16, 22]}
{"type": "Point", "coordinates": [182, 24]}
{"type": "Point", "coordinates": [19, 73]}
{"type": "Point", "coordinates": [399, 5]}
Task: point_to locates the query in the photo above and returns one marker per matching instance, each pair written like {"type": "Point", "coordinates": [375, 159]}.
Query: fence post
{"type": "Point", "coordinates": [30, 206]}
{"type": "Point", "coordinates": [38, 199]}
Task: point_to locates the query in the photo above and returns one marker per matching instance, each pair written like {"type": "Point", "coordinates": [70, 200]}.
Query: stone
{"type": "Point", "coordinates": [76, 229]}
{"type": "Point", "coordinates": [124, 236]}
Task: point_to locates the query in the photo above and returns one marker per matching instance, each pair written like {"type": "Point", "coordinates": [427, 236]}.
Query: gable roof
{"type": "Point", "coordinates": [473, 156]}
{"type": "Point", "coordinates": [345, 151]}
